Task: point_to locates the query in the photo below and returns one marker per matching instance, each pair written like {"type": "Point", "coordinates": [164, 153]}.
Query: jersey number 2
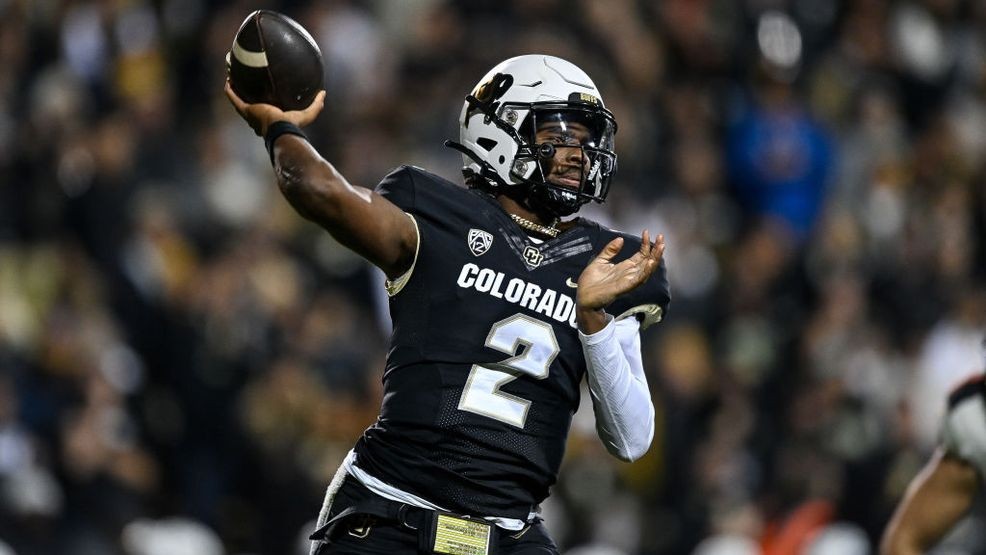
{"type": "Point", "coordinates": [537, 348]}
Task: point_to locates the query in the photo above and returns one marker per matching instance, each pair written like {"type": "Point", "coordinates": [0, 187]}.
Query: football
{"type": "Point", "coordinates": [274, 60]}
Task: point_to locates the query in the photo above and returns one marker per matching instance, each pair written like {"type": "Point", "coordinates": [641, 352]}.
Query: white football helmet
{"type": "Point", "coordinates": [499, 121]}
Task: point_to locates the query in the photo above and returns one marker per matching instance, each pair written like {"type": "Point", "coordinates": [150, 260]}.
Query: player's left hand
{"type": "Point", "coordinates": [602, 281]}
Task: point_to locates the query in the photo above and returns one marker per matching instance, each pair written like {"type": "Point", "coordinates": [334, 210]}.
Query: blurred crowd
{"type": "Point", "coordinates": [184, 361]}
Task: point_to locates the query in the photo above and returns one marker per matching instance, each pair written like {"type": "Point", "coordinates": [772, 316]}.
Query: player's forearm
{"type": "Point", "coordinates": [618, 387]}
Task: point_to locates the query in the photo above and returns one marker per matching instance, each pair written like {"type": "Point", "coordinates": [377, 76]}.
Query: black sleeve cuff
{"type": "Point", "coordinates": [277, 129]}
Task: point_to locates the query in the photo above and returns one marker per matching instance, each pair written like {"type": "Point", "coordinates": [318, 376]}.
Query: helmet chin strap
{"type": "Point", "coordinates": [546, 209]}
{"type": "Point", "coordinates": [524, 199]}
{"type": "Point", "coordinates": [543, 201]}
{"type": "Point", "coordinates": [486, 171]}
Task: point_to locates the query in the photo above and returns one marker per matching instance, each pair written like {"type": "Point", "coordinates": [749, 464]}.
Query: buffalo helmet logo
{"type": "Point", "coordinates": [479, 241]}
{"type": "Point", "coordinates": [484, 97]}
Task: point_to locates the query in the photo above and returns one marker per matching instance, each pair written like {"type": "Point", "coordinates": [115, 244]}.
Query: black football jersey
{"type": "Point", "coordinates": [483, 372]}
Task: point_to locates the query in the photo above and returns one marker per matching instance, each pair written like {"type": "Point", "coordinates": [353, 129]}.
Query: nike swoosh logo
{"type": "Point", "coordinates": [570, 283]}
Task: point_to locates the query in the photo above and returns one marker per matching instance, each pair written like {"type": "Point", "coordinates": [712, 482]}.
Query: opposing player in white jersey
{"type": "Point", "coordinates": [943, 492]}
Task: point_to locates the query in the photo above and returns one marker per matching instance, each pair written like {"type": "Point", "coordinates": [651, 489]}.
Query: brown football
{"type": "Point", "coordinates": [274, 60]}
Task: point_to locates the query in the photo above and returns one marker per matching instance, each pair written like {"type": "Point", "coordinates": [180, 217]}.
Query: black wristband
{"type": "Point", "coordinates": [277, 129]}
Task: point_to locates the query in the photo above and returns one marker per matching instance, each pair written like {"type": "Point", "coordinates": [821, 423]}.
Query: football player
{"type": "Point", "coordinates": [500, 307]}
{"type": "Point", "coordinates": [942, 493]}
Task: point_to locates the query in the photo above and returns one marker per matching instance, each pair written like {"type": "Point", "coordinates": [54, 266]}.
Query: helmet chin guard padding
{"type": "Point", "coordinates": [499, 122]}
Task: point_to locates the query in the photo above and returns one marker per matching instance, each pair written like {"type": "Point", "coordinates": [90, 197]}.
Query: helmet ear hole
{"type": "Point", "coordinates": [486, 143]}
{"type": "Point", "coordinates": [503, 158]}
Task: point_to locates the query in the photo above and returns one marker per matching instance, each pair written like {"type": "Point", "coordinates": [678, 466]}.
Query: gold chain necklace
{"type": "Point", "coordinates": [548, 230]}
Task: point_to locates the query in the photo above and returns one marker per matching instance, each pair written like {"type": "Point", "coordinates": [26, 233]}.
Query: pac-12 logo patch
{"type": "Point", "coordinates": [532, 256]}
{"type": "Point", "coordinates": [479, 241]}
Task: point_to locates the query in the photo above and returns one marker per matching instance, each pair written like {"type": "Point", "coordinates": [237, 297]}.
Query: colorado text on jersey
{"type": "Point", "coordinates": [549, 302]}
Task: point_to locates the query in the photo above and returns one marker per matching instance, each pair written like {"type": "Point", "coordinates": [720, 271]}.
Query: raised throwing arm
{"type": "Point", "coordinates": [357, 217]}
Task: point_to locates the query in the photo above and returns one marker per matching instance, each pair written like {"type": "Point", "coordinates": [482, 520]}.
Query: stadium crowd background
{"type": "Point", "coordinates": [184, 362]}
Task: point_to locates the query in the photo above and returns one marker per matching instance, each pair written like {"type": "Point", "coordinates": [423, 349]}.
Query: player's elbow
{"type": "Point", "coordinates": [631, 453]}
{"type": "Point", "coordinates": [633, 448]}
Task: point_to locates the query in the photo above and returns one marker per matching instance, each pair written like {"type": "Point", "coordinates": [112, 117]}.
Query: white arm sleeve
{"type": "Point", "coordinates": [618, 387]}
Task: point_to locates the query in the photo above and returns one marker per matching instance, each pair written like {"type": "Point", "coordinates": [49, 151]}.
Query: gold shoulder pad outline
{"type": "Point", "coordinates": [394, 287]}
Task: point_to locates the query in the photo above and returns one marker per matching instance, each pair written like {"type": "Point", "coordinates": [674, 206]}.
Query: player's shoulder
{"type": "Point", "coordinates": [968, 390]}
{"type": "Point", "coordinates": [408, 176]}
{"type": "Point", "coordinates": [964, 428]}
{"type": "Point", "coordinates": [416, 189]}
{"type": "Point", "coordinates": [649, 302]}
{"type": "Point", "coordinates": [604, 234]}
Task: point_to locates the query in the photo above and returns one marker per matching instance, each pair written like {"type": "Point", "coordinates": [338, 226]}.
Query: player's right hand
{"type": "Point", "coordinates": [260, 116]}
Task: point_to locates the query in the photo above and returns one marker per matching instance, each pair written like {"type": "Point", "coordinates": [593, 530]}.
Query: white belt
{"type": "Point", "coordinates": [388, 491]}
